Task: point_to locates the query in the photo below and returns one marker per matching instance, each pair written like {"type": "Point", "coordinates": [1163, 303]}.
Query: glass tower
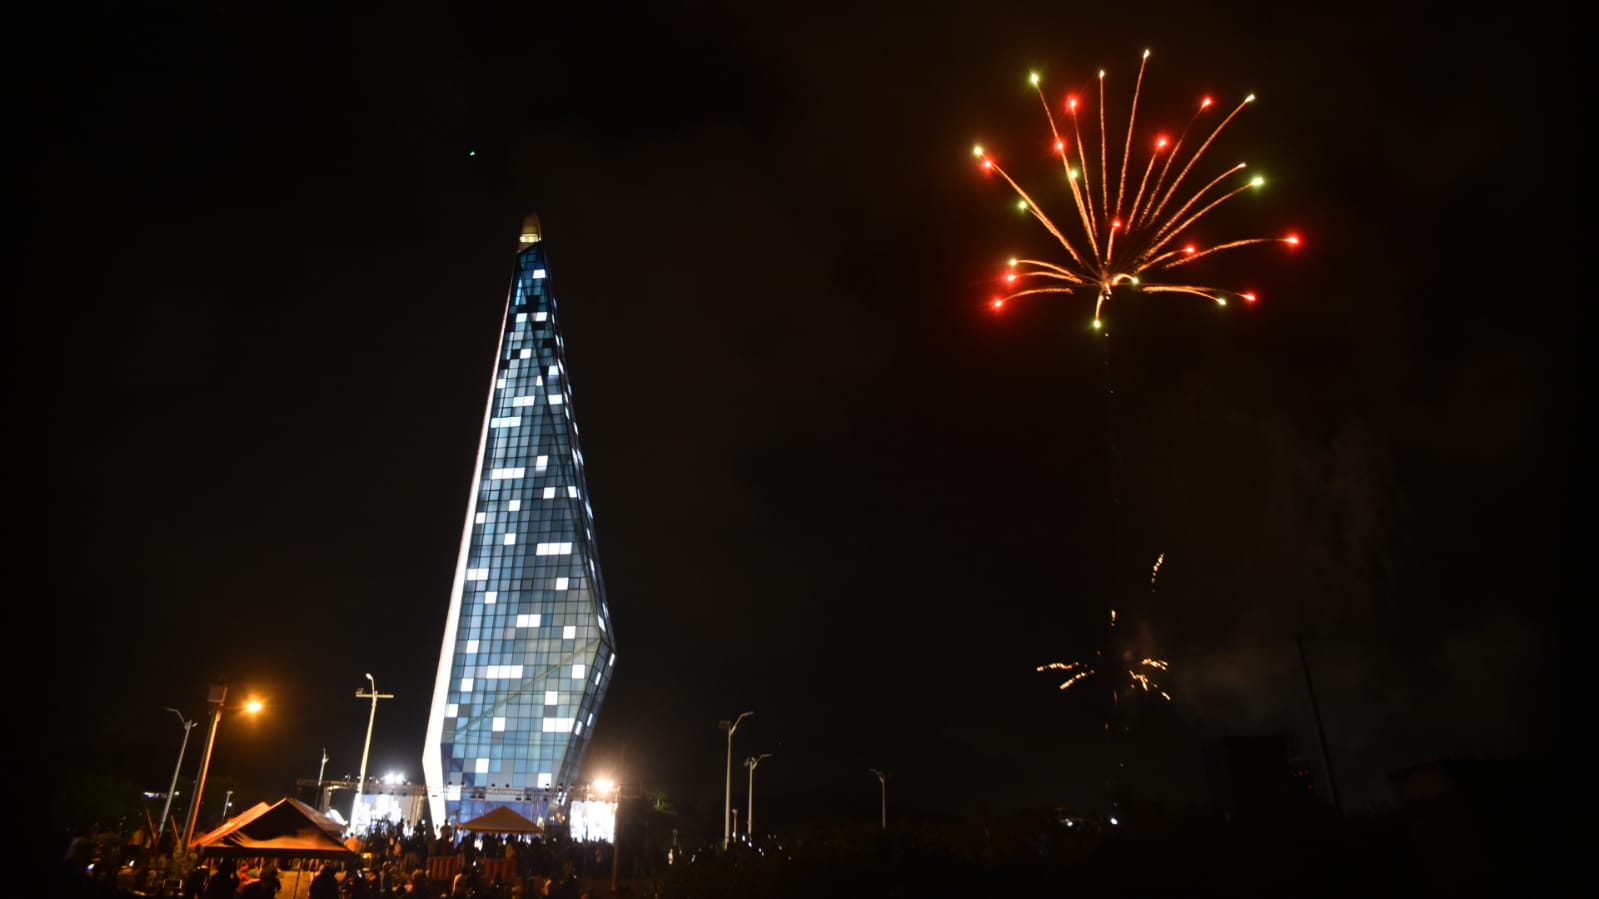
{"type": "Point", "coordinates": [528, 651]}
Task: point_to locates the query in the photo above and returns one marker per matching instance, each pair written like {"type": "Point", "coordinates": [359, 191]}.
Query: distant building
{"type": "Point", "coordinates": [1467, 818]}
{"type": "Point", "coordinates": [528, 649]}
{"type": "Point", "coordinates": [1259, 775]}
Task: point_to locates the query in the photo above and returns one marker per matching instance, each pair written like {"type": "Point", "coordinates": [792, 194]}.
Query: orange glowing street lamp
{"type": "Point", "coordinates": [218, 696]}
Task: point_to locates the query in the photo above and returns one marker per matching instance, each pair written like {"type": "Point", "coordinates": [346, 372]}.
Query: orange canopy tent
{"type": "Point", "coordinates": [287, 828]}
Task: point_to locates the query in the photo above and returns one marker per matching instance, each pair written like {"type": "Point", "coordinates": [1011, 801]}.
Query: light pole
{"type": "Point", "coordinates": [166, 807]}
{"type": "Point", "coordinates": [749, 810]}
{"type": "Point", "coordinates": [882, 778]}
{"type": "Point", "coordinates": [360, 786]}
{"type": "Point", "coordinates": [727, 802]}
{"type": "Point", "coordinates": [227, 805]}
{"type": "Point", "coordinates": [218, 695]}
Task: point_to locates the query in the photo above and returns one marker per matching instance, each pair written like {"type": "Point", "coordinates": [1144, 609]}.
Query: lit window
{"type": "Point", "coordinates": [549, 493]}
{"type": "Point", "coordinates": [482, 766]}
{"type": "Point", "coordinates": [452, 710]}
{"type": "Point", "coordinates": [466, 685]}
{"type": "Point", "coordinates": [578, 729]}
{"type": "Point", "coordinates": [552, 697]}
{"type": "Point", "coordinates": [540, 463]}
{"type": "Point", "coordinates": [477, 574]}
{"type": "Point", "coordinates": [480, 518]}
{"type": "Point", "coordinates": [571, 490]}
{"type": "Point", "coordinates": [554, 370]}
{"type": "Point", "coordinates": [471, 647]}
{"type": "Point", "coordinates": [538, 273]}
{"type": "Point", "coordinates": [569, 632]}
{"type": "Point", "coordinates": [523, 400]}
{"type": "Point", "coordinates": [504, 474]}
{"type": "Point", "coordinates": [510, 539]}
{"type": "Point", "coordinates": [540, 316]}
{"type": "Point", "coordinates": [612, 661]}
{"type": "Point", "coordinates": [578, 671]}
{"type": "Point", "coordinates": [558, 725]}
{"type": "Point", "coordinates": [500, 384]}
{"type": "Point", "coordinates": [525, 354]}
{"type": "Point", "coordinates": [601, 620]}
{"type": "Point", "coordinates": [491, 597]}
{"type": "Point", "coordinates": [528, 620]}
{"type": "Point", "coordinates": [521, 317]}
{"type": "Point", "coordinates": [545, 779]}
{"type": "Point", "coordinates": [556, 399]}
{"type": "Point", "coordinates": [499, 725]}
{"type": "Point", "coordinates": [509, 422]}
{"type": "Point", "coordinates": [515, 505]}
{"type": "Point", "coordinates": [561, 582]}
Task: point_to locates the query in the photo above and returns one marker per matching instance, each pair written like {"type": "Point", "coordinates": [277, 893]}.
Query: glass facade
{"type": "Point", "coordinates": [528, 650]}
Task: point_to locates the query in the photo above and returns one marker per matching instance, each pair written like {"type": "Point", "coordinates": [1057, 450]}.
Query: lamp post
{"type": "Point", "coordinates": [749, 811]}
{"type": "Point", "coordinates": [360, 786]}
{"type": "Point", "coordinates": [166, 807]}
{"type": "Point", "coordinates": [882, 778]}
{"type": "Point", "coordinates": [727, 802]}
{"type": "Point", "coordinates": [218, 695]}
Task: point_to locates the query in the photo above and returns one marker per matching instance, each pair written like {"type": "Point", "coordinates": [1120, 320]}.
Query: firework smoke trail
{"type": "Point", "coordinates": [1104, 249]}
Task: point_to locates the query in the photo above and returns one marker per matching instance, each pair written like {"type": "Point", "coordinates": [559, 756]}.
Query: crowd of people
{"type": "Point", "coordinates": [393, 862]}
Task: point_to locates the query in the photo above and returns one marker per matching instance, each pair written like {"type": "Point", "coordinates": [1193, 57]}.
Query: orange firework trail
{"type": "Point", "coordinates": [1121, 236]}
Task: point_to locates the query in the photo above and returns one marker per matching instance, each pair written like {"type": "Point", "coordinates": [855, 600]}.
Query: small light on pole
{"type": "Point", "coordinates": [882, 778]}
{"type": "Point", "coordinates": [749, 811]}
{"type": "Point", "coordinates": [727, 803]}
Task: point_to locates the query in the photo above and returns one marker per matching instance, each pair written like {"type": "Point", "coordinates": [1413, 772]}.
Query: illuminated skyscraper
{"type": "Point", "coordinates": [528, 651]}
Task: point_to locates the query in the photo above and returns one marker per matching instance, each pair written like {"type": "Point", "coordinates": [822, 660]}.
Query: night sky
{"type": "Point", "coordinates": [268, 253]}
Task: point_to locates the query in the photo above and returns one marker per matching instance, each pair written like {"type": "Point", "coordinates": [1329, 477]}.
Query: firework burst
{"type": "Point", "coordinates": [1140, 674]}
{"type": "Point", "coordinates": [1128, 232]}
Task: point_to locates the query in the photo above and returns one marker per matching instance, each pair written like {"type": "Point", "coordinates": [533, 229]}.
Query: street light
{"type": "Point", "coordinates": [882, 778]}
{"type": "Point", "coordinates": [218, 695]}
{"type": "Point", "coordinates": [749, 811]}
{"type": "Point", "coordinates": [727, 803]}
{"type": "Point", "coordinates": [166, 807]}
{"type": "Point", "coordinates": [360, 786]}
